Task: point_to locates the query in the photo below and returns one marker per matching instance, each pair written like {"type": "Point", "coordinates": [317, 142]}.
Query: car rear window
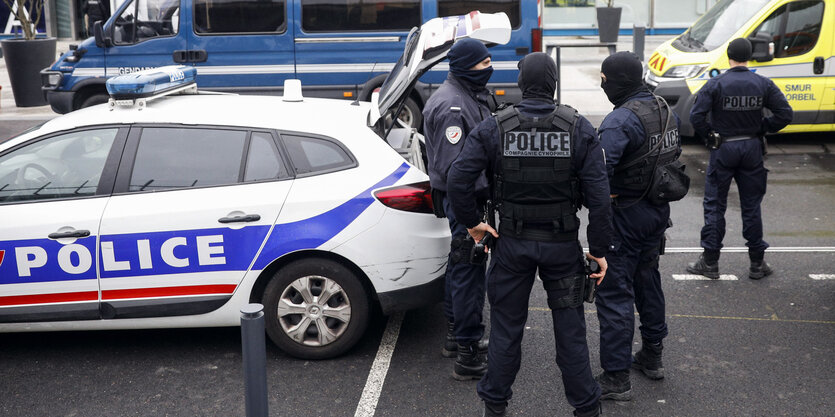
{"type": "Point", "coordinates": [360, 15]}
{"type": "Point", "coordinates": [455, 8]}
{"type": "Point", "coordinates": [316, 155]}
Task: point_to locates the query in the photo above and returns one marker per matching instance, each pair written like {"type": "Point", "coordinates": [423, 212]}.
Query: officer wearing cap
{"type": "Point", "coordinates": [543, 162]}
{"type": "Point", "coordinates": [638, 135]}
{"type": "Point", "coordinates": [460, 104]}
{"type": "Point", "coordinates": [735, 101]}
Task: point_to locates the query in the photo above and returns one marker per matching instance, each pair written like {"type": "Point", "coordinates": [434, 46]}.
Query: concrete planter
{"type": "Point", "coordinates": [24, 61]}
{"type": "Point", "coordinates": [608, 23]}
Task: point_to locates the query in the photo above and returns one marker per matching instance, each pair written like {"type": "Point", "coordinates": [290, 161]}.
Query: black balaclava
{"type": "Point", "coordinates": [623, 72]}
{"type": "Point", "coordinates": [537, 76]}
{"type": "Point", "coordinates": [464, 55]}
{"type": "Point", "coordinates": [740, 50]}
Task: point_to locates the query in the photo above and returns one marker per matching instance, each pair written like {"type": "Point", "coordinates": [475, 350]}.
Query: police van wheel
{"type": "Point", "coordinates": [315, 309]}
{"type": "Point", "coordinates": [94, 99]}
{"type": "Point", "coordinates": [410, 115]}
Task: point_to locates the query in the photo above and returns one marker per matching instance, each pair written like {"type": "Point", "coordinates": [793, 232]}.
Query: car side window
{"type": "Point", "coordinates": [239, 16]}
{"type": "Point", "coordinates": [62, 166]}
{"type": "Point", "coordinates": [146, 19]}
{"type": "Point", "coordinates": [263, 161]}
{"type": "Point", "coordinates": [316, 155]}
{"type": "Point", "coordinates": [457, 7]}
{"type": "Point", "coordinates": [802, 20]}
{"type": "Point", "coordinates": [172, 158]}
{"type": "Point", "coordinates": [365, 16]}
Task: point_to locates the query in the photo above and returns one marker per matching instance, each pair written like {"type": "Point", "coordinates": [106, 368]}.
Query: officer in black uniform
{"type": "Point", "coordinates": [460, 104]}
{"type": "Point", "coordinates": [640, 134]}
{"type": "Point", "coordinates": [95, 10]}
{"type": "Point", "coordinates": [735, 101]}
{"type": "Point", "coordinates": [544, 161]}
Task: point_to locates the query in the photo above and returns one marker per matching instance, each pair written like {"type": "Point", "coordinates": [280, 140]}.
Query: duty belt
{"type": "Point", "coordinates": [738, 138]}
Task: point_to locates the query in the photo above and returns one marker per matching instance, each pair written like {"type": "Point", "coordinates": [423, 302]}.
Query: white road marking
{"type": "Point", "coordinates": [691, 277]}
{"type": "Point", "coordinates": [776, 249]}
{"type": "Point", "coordinates": [377, 375]}
{"type": "Point", "coordinates": [822, 276]}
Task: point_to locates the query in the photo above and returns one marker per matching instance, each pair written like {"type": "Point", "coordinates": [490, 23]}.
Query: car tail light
{"type": "Point", "coordinates": [536, 40]}
{"type": "Point", "coordinates": [416, 198]}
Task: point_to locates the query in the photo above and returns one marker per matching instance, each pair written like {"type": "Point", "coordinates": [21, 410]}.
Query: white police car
{"type": "Point", "coordinates": [175, 210]}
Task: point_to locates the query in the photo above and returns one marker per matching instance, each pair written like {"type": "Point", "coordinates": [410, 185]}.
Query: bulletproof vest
{"type": "Point", "coordinates": [535, 191]}
{"type": "Point", "coordinates": [635, 170]}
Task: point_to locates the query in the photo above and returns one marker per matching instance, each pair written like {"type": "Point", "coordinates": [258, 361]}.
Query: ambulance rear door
{"type": "Point", "coordinates": [801, 51]}
{"type": "Point", "coordinates": [191, 209]}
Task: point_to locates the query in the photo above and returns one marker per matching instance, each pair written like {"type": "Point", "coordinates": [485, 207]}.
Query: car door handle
{"type": "Point", "coordinates": [818, 65]}
{"type": "Point", "coordinates": [197, 55]}
{"type": "Point", "coordinates": [180, 56]}
{"type": "Point", "coordinates": [72, 233]}
{"type": "Point", "coordinates": [240, 219]}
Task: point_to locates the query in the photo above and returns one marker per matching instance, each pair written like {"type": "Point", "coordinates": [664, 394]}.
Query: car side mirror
{"type": "Point", "coordinates": [762, 47]}
{"type": "Point", "coordinates": [102, 40]}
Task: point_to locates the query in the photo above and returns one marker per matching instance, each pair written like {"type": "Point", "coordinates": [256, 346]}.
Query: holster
{"type": "Point", "coordinates": [576, 286]}
{"type": "Point", "coordinates": [460, 249]}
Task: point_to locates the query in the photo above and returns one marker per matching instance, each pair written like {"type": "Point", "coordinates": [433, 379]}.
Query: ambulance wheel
{"type": "Point", "coordinates": [98, 98]}
{"type": "Point", "coordinates": [315, 309]}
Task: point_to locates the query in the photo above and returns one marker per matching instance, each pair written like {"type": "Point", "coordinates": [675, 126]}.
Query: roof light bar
{"type": "Point", "coordinates": [138, 87]}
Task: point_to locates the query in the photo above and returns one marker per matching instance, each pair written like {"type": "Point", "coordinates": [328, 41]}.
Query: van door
{"type": "Point", "coordinates": [340, 45]}
{"type": "Point", "coordinates": [796, 29]}
{"type": "Point", "coordinates": [144, 34]}
{"type": "Point", "coordinates": [242, 45]}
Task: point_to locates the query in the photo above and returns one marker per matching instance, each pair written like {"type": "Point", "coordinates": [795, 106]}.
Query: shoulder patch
{"type": "Point", "coordinates": [453, 134]}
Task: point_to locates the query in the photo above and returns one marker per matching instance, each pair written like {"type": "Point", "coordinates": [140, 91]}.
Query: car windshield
{"type": "Point", "coordinates": [719, 24]}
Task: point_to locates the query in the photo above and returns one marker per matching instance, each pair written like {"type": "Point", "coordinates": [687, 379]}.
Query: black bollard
{"type": "Point", "coordinates": [255, 360]}
{"type": "Point", "coordinates": [638, 38]}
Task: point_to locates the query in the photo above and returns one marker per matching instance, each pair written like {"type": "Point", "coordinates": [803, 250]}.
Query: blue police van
{"type": "Point", "coordinates": [337, 48]}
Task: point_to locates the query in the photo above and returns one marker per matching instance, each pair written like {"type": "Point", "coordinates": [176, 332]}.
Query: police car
{"type": "Point", "coordinates": [170, 207]}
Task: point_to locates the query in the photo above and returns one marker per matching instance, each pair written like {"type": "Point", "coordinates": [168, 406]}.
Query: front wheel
{"type": "Point", "coordinates": [315, 309]}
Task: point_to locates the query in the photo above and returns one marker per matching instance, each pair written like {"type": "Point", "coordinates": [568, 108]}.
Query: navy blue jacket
{"type": "Point", "coordinates": [735, 100]}
{"type": "Point", "coordinates": [622, 133]}
{"type": "Point", "coordinates": [483, 151]}
{"type": "Point", "coordinates": [449, 115]}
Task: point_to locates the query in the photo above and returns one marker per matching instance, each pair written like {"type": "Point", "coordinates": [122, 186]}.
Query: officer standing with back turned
{"type": "Point", "coordinates": [543, 162]}
{"type": "Point", "coordinates": [450, 114]}
{"type": "Point", "coordinates": [638, 135]}
{"type": "Point", "coordinates": [735, 101]}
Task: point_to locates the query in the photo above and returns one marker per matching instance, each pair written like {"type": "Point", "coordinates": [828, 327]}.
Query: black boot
{"type": "Point", "coordinates": [592, 411]}
{"type": "Point", "coordinates": [759, 269]}
{"type": "Point", "coordinates": [648, 360]}
{"type": "Point", "coordinates": [495, 409]}
{"type": "Point", "coordinates": [704, 266]}
{"type": "Point", "coordinates": [615, 385]}
{"type": "Point", "coordinates": [470, 364]}
{"type": "Point", "coordinates": [450, 349]}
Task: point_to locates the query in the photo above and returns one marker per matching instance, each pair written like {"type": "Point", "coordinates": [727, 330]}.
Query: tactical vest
{"type": "Point", "coordinates": [635, 170]}
{"type": "Point", "coordinates": [535, 191]}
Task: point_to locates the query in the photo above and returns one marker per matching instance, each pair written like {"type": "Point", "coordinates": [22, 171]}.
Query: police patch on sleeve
{"type": "Point", "coordinates": [453, 134]}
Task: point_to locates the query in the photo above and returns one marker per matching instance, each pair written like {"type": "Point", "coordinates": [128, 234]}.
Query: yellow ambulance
{"type": "Point", "coordinates": [794, 43]}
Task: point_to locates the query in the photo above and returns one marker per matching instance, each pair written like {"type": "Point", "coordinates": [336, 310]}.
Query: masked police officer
{"type": "Point", "coordinates": [640, 134]}
{"type": "Point", "coordinates": [460, 104]}
{"type": "Point", "coordinates": [543, 161]}
{"type": "Point", "coordinates": [735, 101]}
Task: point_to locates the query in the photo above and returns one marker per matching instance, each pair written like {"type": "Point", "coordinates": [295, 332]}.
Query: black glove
{"type": "Point", "coordinates": [438, 203]}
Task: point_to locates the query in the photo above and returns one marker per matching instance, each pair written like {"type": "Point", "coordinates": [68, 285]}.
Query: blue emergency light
{"type": "Point", "coordinates": [150, 82]}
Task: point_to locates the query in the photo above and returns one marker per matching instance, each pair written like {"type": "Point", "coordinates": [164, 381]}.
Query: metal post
{"type": "Point", "coordinates": [559, 77]}
{"type": "Point", "coordinates": [638, 37]}
{"type": "Point", "coordinates": [255, 360]}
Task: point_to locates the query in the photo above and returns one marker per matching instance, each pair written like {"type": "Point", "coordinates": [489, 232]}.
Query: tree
{"type": "Point", "coordinates": [28, 13]}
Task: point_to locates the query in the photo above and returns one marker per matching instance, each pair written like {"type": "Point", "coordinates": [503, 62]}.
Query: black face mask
{"type": "Point", "coordinates": [623, 72]}
{"type": "Point", "coordinates": [537, 76]}
{"type": "Point", "coordinates": [477, 78]}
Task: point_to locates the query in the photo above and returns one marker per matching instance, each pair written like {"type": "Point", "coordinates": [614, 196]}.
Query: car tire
{"type": "Point", "coordinates": [295, 312]}
{"type": "Point", "coordinates": [94, 99]}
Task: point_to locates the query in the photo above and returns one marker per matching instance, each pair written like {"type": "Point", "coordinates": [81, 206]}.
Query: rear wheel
{"type": "Point", "coordinates": [94, 99]}
{"type": "Point", "coordinates": [315, 309]}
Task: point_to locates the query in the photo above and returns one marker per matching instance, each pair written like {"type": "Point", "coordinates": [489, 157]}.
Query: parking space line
{"type": "Point", "coordinates": [693, 316]}
{"type": "Point", "coordinates": [691, 277]}
{"type": "Point", "coordinates": [738, 249]}
{"type": "Point", "coordinates": [377, 374]}
{"type": "Point", "coordinates": [822, 276]}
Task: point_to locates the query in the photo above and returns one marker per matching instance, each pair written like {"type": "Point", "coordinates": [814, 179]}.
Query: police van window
{"type": "Point", "coordinates": [64, 166]}
{"type": "Point", "coordinates": [185, 158]}
{"type": "Point", "coordinates": [455, 7]}
{"type": "Point", "coordinates": [239, 16]}
{"type": "Point", "coordinates": [360, 15]}
{"type": "Point", "coordinates": [146, 19]}
{"type": "Point", "coordinates": [316, 155]}
{"type": "Point", "coordinates": [263, 161]}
